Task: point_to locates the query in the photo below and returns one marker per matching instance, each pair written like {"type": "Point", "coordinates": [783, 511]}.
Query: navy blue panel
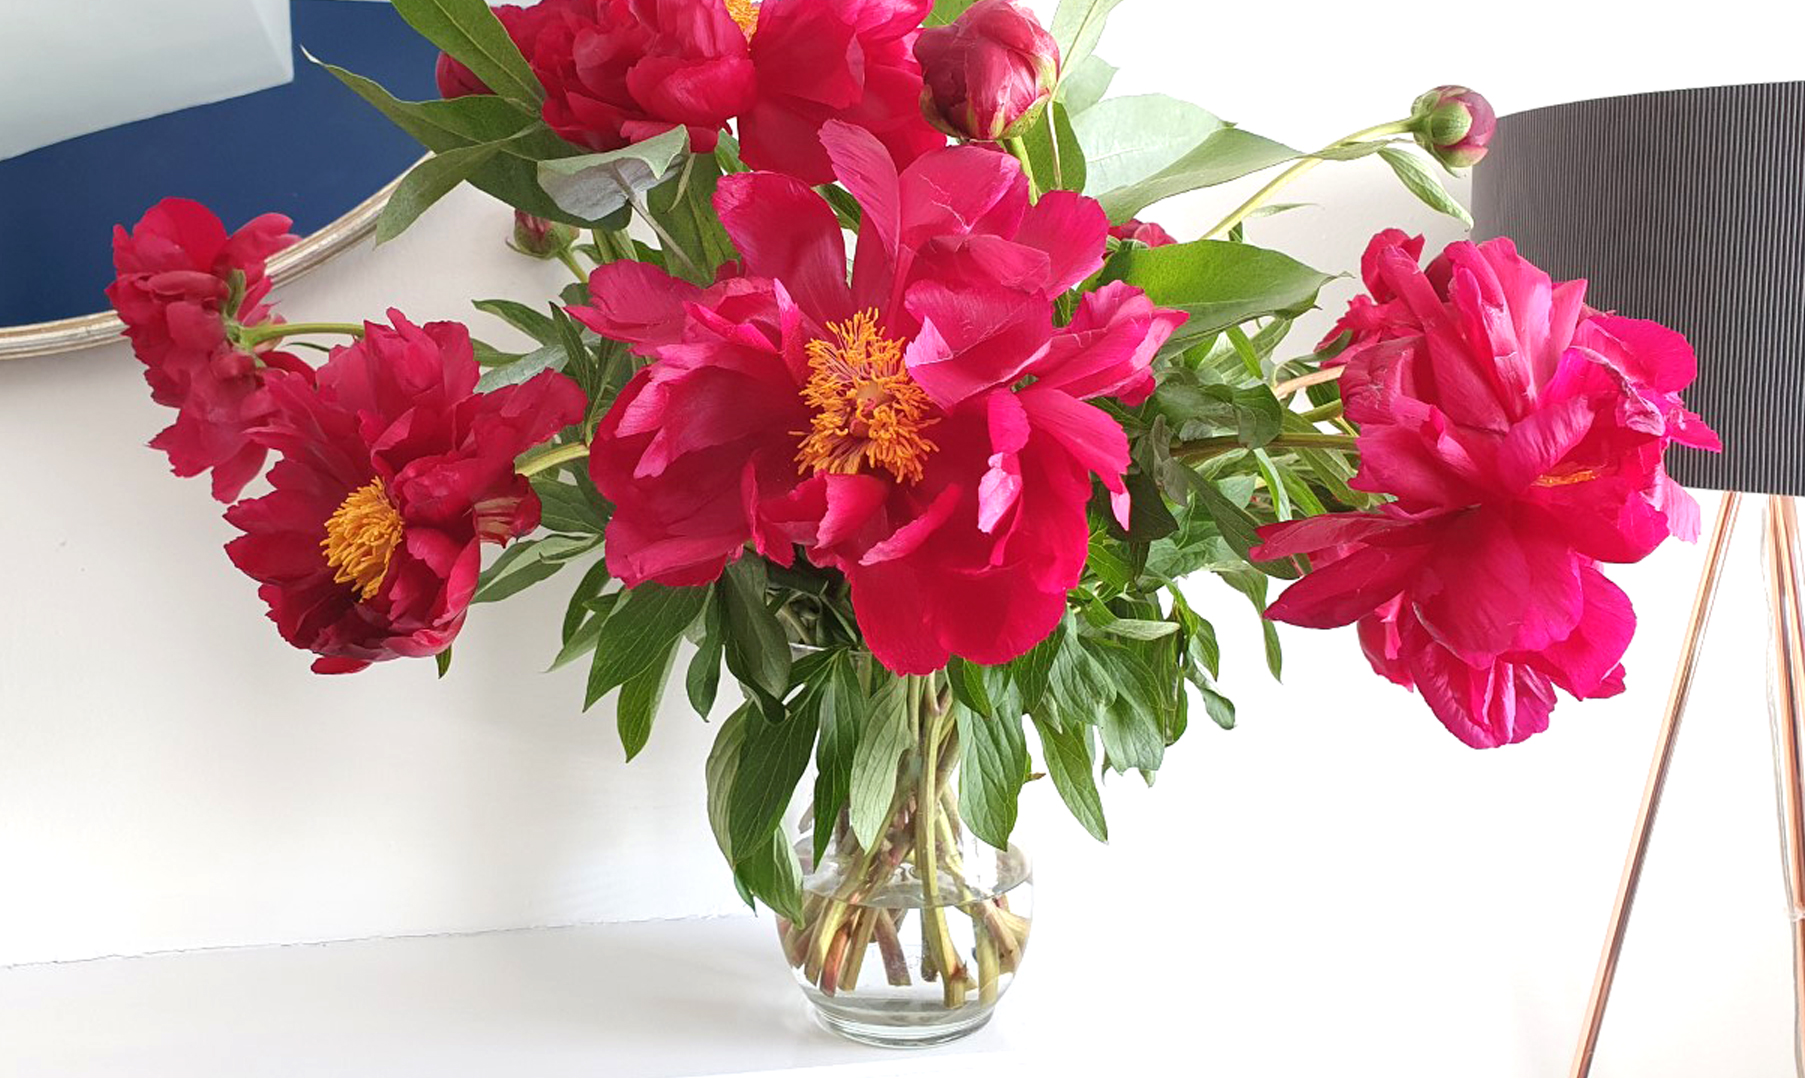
{"type": "Point", "coordinates": [311, 149]}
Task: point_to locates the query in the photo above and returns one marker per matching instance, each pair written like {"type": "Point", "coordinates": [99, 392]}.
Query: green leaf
{"type": "Point", "coordinates": [1220, 708]}
{"type": "Point", "coordinates": [639, 700]}
{"type": "Point", "coordinates": [1254, 585]}
{"type": "Point", "coordinates": [882, 740]}
{"type": "Point", "coordinates": [758, 652]}
{"type": "Point", "coordinates": [594, 579]}
{"type": "Point", "coordinates": [772, 874]}
{"type": "Point", "coordinates": [1077, 688]}
{"type": "Point", "coordinates": [718, 772]}
{"type": "Point", "coordinates": [1068, 755]}
{"type": "Point", "coordinates": [427, 183]}
{"type": "Point", "coordinates": [1132, 736]}
{"type": "Point", "coordinates": [645, 623]}
{"type": "Point", "coordinates": [568, 507]}
{"type": "Point", "coordinates": [1225, 154]}
{"type": "Point", "coordinates": [1060, 166]}
{"type": "Point", "coordinates": [527, 562]}
{"type": "Point", "coordinates": [993, 766]}
{"type": "Point", "coordinates": [443, 661]}
{"type": "Point", "coordinates": [1237, 526]}
{"type": "Point", "coordinates": [1030, 670]}
{"type": "Point", "coordinates": [703, 681]}
{"type": "Point", "coordinates": [947, 11]}
{"type": "Point", "coordinates": [968, 684]}
{"type": "Point", "coordinates": [684, 205]}
{"type": "Point", "coordinates": [535, 324]}
{"type": "Point", "coordinates": [1218, 283]}
{"type": "Point", "coordinates": [773, 757]}
{"type": "Point", "coordinates": [1085, 85]}
{"type": "Point", "coordinates": [839, 721]}
{"type": "Point", "coordinates": [440, 125]}
{"type": "Point", "coordinates": [1128, 139]}
{"type": "Point", "coordinates": [1420, 181]}
{"type": "Point", "coordinates": [592, 186]}
{"type": "Point", "coordinates": [1077, 24]}
{"type": "Point", "coordinates": [543, 358]}
{"type": "Point", "coordinates": [470, 33]}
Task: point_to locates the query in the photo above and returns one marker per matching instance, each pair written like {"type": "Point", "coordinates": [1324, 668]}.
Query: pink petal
{"type": "Point", "coordinates": [1094, 440]}
{"type": "Point", "coordinates": [1072, 230]}
{"type": "Point", "coordinates": [787, 232]}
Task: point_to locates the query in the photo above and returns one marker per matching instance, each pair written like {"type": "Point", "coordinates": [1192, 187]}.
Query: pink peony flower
{"type": "Point", "coordinates": [620, 71]}
{"type": "Point", "coordinates": [989, 73]}
{"type": "Point", "coordinates": [393, 472]}
{"type": "Point", "coordinates": [846, 60]}
{"type": "Point", "coordinates": [1142, 232]}
{"type": "Point", "coordinates": [523, 25]}
{"type": "Point", "coordinates": [1521, 436]}
{"type": "Point", "coordinates": [881, 424]}
{"type": "Point", "coordinates": [181, 277]}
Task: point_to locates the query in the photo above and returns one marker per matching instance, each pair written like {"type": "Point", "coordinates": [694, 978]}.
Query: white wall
{"type": "Point", "coordinates": [172, 777]}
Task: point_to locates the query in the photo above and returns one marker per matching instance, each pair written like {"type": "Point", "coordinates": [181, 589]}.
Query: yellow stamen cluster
{"type": "Point", "coordinates": [745, 13]}
{"type": "Point", "coordinates": [1564, 477]}
{"type": "Point", "coordinates": [868, 411]}
{"type": "Point", "coordinates": [360, 536]}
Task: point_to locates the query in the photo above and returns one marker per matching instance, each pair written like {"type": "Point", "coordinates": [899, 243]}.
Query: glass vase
{"type": "Point", "coordinates": [912, 941]}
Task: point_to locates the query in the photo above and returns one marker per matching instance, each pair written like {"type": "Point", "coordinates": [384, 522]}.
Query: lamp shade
{"type": "Point", "coordinates": [1687, 207]}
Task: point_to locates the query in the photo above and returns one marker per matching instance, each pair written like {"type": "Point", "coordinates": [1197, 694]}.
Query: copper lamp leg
{"type": "Point", "coordinates": [1658, 777]}
{"type": "Point", "coordinates": [1789, 686]}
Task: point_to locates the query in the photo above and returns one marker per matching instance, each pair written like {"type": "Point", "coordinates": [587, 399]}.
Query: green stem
{"type": "Point", "coordinates": [1322, 413]}
{"type": "Point", "coordinates": [928, 800]}
{"type": "Point", "coordinates": [252, 336]}
{"type": "Point", "coordinates": [551, 457]}
{"type": "Point", "coordinates": [571, 263]}
{"type": "Point", "coordinates": [1019, 150]}
{"type": "Point", "coordinates": [1264, 195]}
{"type": "Point", "coordinates": [1202, 448]}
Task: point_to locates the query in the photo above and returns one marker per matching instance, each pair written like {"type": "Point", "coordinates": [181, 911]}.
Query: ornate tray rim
{"type": "Point", "coordinates": [85, 331]}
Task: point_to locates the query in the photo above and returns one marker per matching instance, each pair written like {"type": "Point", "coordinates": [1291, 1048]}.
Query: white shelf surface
{"type": "Point", "coordinates": [675, 998]}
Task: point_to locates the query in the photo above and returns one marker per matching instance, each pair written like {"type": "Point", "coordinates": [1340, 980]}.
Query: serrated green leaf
{"type": "Point", "coordinates": [1067, 752]}
{"type": "Point", "coordinates": [470, 33]}
{"type": "Point", "coordinates": [882, 740]}
{"type": "Point", "coordinates": [1420, 181]}
{"type": "Point", "coordinates": [593, 186]}
{"type": "Point", "coordinates": [638, 703]}
{"type": "Point", "coordinates": [645, 622]}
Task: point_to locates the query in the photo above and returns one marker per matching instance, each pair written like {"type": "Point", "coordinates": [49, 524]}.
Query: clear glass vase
{"type": "Point", "coordinates": [913, 941]}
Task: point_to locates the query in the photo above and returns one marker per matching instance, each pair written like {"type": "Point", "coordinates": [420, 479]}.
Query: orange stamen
{"type": "Point", "coordinates": [868, 411]}
{"type": "Point", "coordinates": [361, 535]}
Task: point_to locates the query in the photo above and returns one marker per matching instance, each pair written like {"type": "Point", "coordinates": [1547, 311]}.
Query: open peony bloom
{"type": "Point", "coordinates": [393, 471]}
{"type": "Point", "coordinates": [1521, 435]}
{"type": "Point", "coordinates": [181, 277]}
{"type": "Point", "coordinates": [847, 60]}
{"type": "Point", "coordinates": [884, 425]}
{"type": "Point", "coordinates": [619, 71]}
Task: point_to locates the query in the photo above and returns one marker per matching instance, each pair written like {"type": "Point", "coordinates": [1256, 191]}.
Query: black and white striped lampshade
{"type": "Point", "coordinates": [1687, 207]}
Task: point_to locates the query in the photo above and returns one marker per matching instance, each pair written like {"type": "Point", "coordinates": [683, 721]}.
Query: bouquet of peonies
{"type": "Point", "coordinates": [888, 403]}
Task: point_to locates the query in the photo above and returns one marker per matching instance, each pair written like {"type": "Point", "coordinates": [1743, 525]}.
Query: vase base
{"type": "Point", "coordinates": [901, 1030]}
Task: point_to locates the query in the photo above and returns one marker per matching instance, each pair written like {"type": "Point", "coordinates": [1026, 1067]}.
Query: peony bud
{"type": "Point", "coordinates": [541, 238]}
{"type": "Point", "coordinates": [1454, 124]}
{"type": "Point", "coordinates": [1143, 232]}
{"type": "Point", "coordinates": [456, 80]}
{"type": "Point", "coordinates": [987, 76]}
